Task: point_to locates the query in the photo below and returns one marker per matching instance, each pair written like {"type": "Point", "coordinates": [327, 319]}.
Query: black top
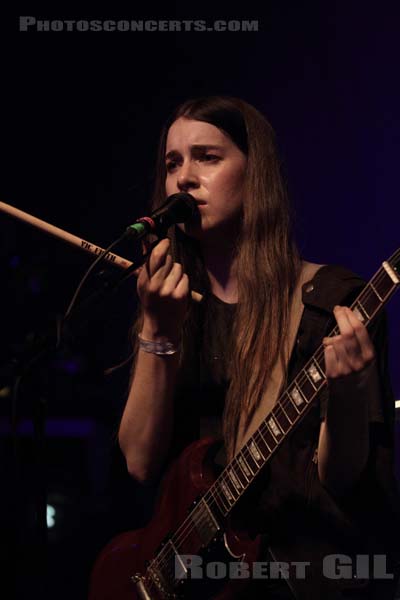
{"type": "Point", "coordinates": [203, 380]}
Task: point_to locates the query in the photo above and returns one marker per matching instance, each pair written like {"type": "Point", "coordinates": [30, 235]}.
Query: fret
{"type": "Point", "coordinates": [210, 514]}
{"type": "Point", "coordinates": [256, 452]}
{"type": "Point", "coordinates": [284, 412]}
{"type": "Point", "coordinates": [268, 449]}
{"type": "Point", "coordinates": [268, 437]}
{"type": "Point", "coordinates": [176, 557]}
{"type": "Point", "coordinates": [262, 444]}
{"type": "Point", "coordinates": [358, 314]}
{"type": "Point", "coordinates": [227, 493]}
{"type": "Point", "coordinates": [180, 570]}
{"type": "Point", "coordinates": [174, 549]}
{"type": "Point", "coordinates": [385, 284]}
{"type": "Point", "coordinates": [220, 498]}
{"type": "Point", "coordinates": [292, 408]}
{"type": "Point", "coordinates": [250, 460]}
{"type": "Point", "coordinates": [227, 481]}
{"type": "Point", "coordinates": [373, 288]}
{"type": "Point", "coordinates": [297, 396]}
{"type": "Point", "coordinates": [283, 420]}
{"type": "Point", "coordinates": [314, 387]}
{"type": "Point", "coordinates": [235, 480]}
{"type": "Point", "coordinates": [274, 428]}
{"type": "Point", "coordinates": [316, 372]}
{"type": "Point", "coordinates": [308, 387]}
{"type": "Point", "coordinates": [370, 301]}
{"type": "Point", "coordinates": [244, 466]}
{"type": "Point", "coordinates": [240, 474]}
{"type": "Point", "coordinates": [360, 311]}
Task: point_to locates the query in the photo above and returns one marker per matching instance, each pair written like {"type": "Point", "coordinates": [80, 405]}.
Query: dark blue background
{"type": "Point", "coordinates": [81, 118]}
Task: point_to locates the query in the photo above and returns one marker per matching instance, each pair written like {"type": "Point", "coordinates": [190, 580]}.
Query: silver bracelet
{"type": "Point", "coordinates": [159, 348]}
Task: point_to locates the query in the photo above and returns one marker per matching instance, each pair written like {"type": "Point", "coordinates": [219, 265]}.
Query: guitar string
{"type": "Point", "coordinates": [366, 294]}
{"type": "Point", "coordinates": [181, 534]}
{"type": "Point", "coordinates": [317, 357]}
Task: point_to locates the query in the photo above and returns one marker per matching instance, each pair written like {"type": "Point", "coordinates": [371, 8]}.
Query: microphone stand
{"type": "Point", "coordinates": [32, 356]}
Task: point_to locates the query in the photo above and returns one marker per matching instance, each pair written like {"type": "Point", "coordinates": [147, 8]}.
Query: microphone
{"type": "Point", "coordinates": [177, 208]}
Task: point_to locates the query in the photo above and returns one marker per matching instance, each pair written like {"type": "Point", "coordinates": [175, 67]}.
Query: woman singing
{"type": "Point", "coordinates": [216, 367]}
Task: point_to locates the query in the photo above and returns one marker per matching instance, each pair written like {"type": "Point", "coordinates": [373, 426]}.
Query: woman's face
{"type": "Point", "coordinates": [203, 161]}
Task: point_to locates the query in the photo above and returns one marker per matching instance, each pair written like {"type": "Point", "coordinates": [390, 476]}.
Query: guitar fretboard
{"type": "Point", "coordinates": [294, 402]}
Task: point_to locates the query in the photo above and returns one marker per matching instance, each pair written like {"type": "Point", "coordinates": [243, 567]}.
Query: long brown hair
{"type": "Point", "coordinates": [267, 259]}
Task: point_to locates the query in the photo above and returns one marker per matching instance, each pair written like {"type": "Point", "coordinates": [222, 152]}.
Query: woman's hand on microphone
{"type": "Point", "coordinates": [163, 289]}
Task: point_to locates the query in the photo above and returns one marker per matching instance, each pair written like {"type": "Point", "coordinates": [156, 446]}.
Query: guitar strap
{"type": "Point", "coordinates": [276, 381]}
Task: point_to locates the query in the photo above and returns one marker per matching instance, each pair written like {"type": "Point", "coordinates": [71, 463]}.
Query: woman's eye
{"type": "Point", "coordinates": [209, 157]}
{"type": "Point", "coordinates": [170, 166]}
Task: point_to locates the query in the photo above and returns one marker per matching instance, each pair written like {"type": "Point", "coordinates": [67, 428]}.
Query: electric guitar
{"type": "Point", "coordinates": [192, 519]}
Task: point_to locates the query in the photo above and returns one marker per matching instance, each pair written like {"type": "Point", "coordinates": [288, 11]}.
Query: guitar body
{"type": "Point", "coordinates": [129, 553]}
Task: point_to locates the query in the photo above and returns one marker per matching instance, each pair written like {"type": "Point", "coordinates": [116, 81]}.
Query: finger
{"type": "Point", "coordinates": [358, 344]}
{"type": "Point", "coordinates": [174, 277]}
{"type": "Point", "coordinates": [364, 340]}
{"type": "Point", "coordinates": [342, 319]}
{"type": "Point", "coordinates": [146, 246]}
{"type": "Point", "coordinates": [331, 362]}
{"type": "Point", "coordinates": [160, 275]}
{"type": "Point", "coordinates": [158, 256]}
{"type": "Point", "coordinates": [143, 276]}
{"type": "Point", "coordinates": [346, 362]}
{"type": "Point", "coordinates": [347, 333]}
{"type": "Point", "coordinates": [182, 288]}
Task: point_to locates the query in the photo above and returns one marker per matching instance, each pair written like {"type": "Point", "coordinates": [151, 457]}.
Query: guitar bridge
{"type": "Point", "coordinates": [139, 581]}
{"type": "Point", "coordinates": [143, 591]}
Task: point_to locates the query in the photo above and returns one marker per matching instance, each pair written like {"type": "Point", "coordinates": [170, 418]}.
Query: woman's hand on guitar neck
{"type": "Point", "coordinates": [350, 351]}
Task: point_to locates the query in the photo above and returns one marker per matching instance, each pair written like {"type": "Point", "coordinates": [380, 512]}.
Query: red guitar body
{"type": "Point", "coordinates": [129, 553]}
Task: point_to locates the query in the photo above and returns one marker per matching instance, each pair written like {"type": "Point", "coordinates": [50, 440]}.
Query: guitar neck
{"type": "Point", "coordinates": [295, 401]}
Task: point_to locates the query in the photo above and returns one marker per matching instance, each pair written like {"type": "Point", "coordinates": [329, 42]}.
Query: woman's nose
{"type": "Point", "coordinates": [187, 178]}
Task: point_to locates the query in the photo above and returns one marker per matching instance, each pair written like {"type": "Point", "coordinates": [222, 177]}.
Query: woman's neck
{"type": "Point", "coordinates": [220, 265]}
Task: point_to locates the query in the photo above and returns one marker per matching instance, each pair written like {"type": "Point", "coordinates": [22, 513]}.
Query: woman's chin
{"type": "Point", "coordinates": [207, 232]}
